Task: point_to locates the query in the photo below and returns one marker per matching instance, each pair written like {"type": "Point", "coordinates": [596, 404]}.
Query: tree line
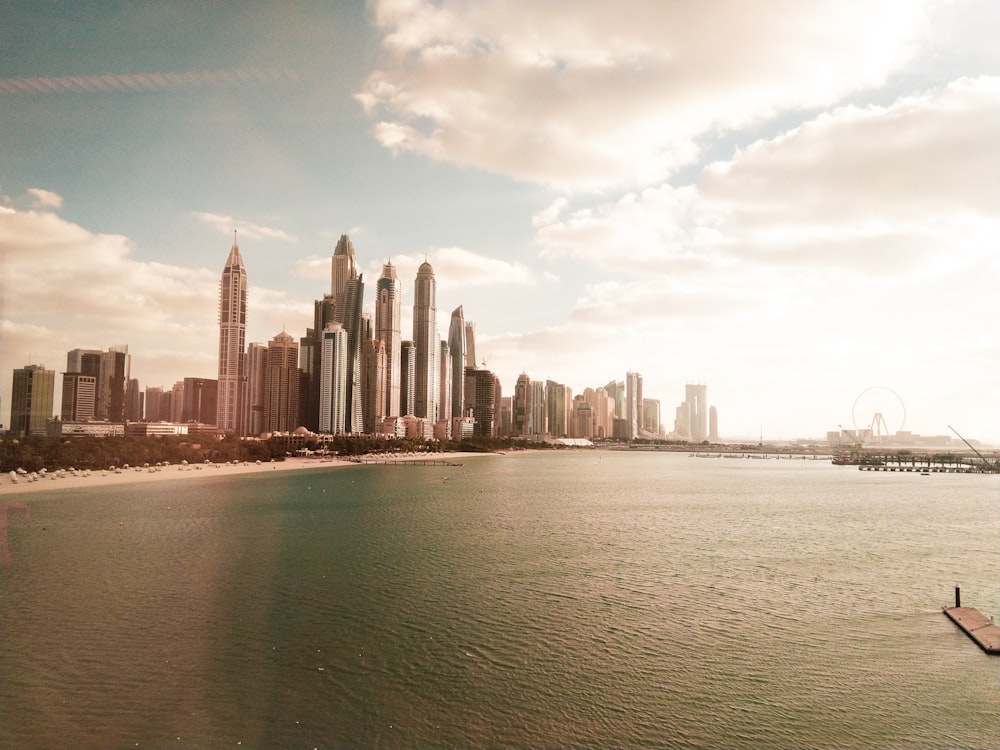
{"type": "Point", "coordinates": [34, 453]}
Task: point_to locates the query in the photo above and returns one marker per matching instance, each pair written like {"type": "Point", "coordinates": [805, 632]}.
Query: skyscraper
{"type": "Point", "coordinates": [539, 416]}
{"type": "Point", "coordinates": [31, 400]}
{"type": "Point", "coordinates": [232, 342]}
{"type": "Point", "coordinates": [155, 403]}
{"type": "Point", "coordinates": [344, 266]}
{"type": "Point", "coordinates": [445, 382]}
{"type": "Point", "coordinates": [521, 406]}
{"type": "Point", "coordinates": [256, 368]}
{"type": "Point", "coordinates": [425, 339]}
{"type": "Point", "coordinates": [347, 293]}
{"type": "Point", "coordinates": [407, 365]}
{"type": "Point", "coordinates": [481, 387]}
{"type": "Point", "coordinates": [112, 384]}
{"type": "Point", "coordinates": [200, 400]}
{"type": "Point", "coordinates": [558, 401]}
{"type": "Point", "coordinates": [79, 397]}
{"type": "Point", "coordinates": [470, 345]}
{"type": "Point", "coordinates": [696, 398]}
{"type": "Point", "coordinates": [633, 405]}
{"type": "Point", "coordinates": [457, 341]}
{"type": "Point", "coordinates": [281, 390]}
{"type": "Point", "coordinates": [388, 302]}
{"type": "Point", "coordinates": [333, 380]}
{"type": "Point", "coordinates": [373, 384]}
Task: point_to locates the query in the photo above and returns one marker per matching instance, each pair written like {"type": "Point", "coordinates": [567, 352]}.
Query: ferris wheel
{"type": "Point", "coordinates": [879, 412]}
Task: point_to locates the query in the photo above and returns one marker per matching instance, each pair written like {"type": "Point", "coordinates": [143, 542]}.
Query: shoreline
{"type": "Point", "coordinates": [135, 475]}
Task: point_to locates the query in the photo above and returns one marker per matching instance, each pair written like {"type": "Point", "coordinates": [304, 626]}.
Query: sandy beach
{"type": "Point", "coordinates": [101, 477]}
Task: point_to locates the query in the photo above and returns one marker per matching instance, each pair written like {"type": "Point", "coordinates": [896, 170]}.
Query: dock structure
{"type": "Point", "coordinates": [980, 628]}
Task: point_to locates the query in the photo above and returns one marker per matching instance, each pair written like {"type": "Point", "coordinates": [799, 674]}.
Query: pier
{"type": "Point", "coordinates": [980, 628]}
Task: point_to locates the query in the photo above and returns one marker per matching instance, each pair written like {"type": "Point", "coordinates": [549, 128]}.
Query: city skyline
{"type": "Point", "coordinates": [810, 214]}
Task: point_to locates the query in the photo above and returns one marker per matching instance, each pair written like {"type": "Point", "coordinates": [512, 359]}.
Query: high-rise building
{"type": "Point", "coordinates": [177, 402]}
{"type": "Point", "coordinates": [539, 415]}
{"type": "Point", "coordinates": [133, 401]}
{"type": "Point", "coordinates": [651, 415]}
{"type": "Point", "coordinates": [470, 345]}
{"type": "Point", "coordinates": [281, 390]}
{"type": "Point", "coordinates": [407, 387]}
{"type": "Point", "coordinates": [558, 399]}
{"type": "Point", "coordinates": [311, 357]}
{"type": "Point", "coordinates": [200, 400]}
{"type": "Point", "coordinates": [84, 361]}
{"type": "Point", "coordinates": [346, 298]}
{"type": "Point", "coordinates": [256, 368]}
{"type": "Point", "coordinates": [696, 398]}
{"type": "Point", "coordinates": [582, 421]}
{"type": "Point", "coordinates": [112, 384]}
{"type": "Point", "coordinates": [425, 339]}
{"type": "Point", "coordinates": [373, 361]}
{"type": "Point", "coordinates": [344, 266]}
{"type": "Point", "coordinates": [444, 385]}
{"type": "Point", "coordinates": [333, 380]}
{"type": "Point", "coordinates": [521, 406]}
{"type": "Point", "coordinates": [154, 411]}
{"type": "Point", "coordinates": [603, 409]}
{"type": "Point", "coordinates": [616, 392]}
{"type": "Point", "coordinates": [457, 343]}
{"type": "Point", "coordinates": [481, 400]}
{"type": "Point", "coordinates": [388, 306]}
{"type": "Point", "coordinates": [79, 397]}
{"type": "Point", "coordinates": [31, 400]}
{"type": "Point", "coordinates": [633, 405]}
{"type": "Point", "coordinates": [713, 424]}
{"type": "Point", "coordinates": [232, 342]}
{"type": "Point", "coordinates": [348, 313]}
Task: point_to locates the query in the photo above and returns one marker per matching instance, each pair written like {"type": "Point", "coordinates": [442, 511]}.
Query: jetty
{"type": "Point", "coordinates": [980, 628]}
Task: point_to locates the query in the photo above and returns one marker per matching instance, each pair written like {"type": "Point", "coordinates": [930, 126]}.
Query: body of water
{"type": "Point", "coordinates": [549, 600]}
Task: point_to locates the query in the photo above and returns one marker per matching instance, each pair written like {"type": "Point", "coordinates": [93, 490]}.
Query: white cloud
{"type": "Point", "coordinates": [45, 198]}
{"type": "Point", "coordinates": [227, 224]}
{"type": "Point", "coordinates": [585, 96]}
{"type": "Point", "coordinates": [875, 191]}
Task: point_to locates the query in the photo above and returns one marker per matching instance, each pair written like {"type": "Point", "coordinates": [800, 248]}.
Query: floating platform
{"type": "Point", "coordinates": [977, 626]}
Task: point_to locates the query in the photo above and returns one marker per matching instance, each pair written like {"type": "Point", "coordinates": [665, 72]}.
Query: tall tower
{"type": "Point", "coordinates": [281, 391]}
{"type": "Point", "coordinates": [521, 406]}
{"type": "Point", "coordinates": [344, 266]}
{"type": "Point", "coordinates": [407, 364]}
{"type": "Point", "coordinates": [388, 299]}
{"type": "Point", "coordinates": [696, 398]}
{"type": "Point", "coordinates": [456, 344]}
{"type": "Point", "coordinates": [333, 380]}
{"type": "Point", "coordinates": [425, 339]}
{"type": "Point", "coordinates": [31, 400]}
{"type": "Point", "coordinates": [232, 341]}
{"type": "Point", "coordinates": [347, 294]}
{"type": "Point", "coordinates": [470, 345]}
{"type": "Point", "coordinates": [253, 411]}
{"type": "Point", "coordinates": [633, 405]}
{"type": "Point", "coordinates": [112, 384]}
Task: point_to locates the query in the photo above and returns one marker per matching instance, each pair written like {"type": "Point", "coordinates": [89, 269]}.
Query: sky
{"type": "Point", "coordinates": [796, 204]}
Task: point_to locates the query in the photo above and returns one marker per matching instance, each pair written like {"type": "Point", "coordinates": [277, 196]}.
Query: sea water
{"type": "Point", "coordinates": [548, 600]}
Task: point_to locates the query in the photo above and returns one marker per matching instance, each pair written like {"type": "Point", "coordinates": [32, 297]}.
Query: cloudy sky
{"type": "Point", "coordinates": [791, 202]}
